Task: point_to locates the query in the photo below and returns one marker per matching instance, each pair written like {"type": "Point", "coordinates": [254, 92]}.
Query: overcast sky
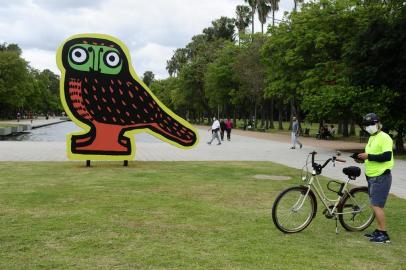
{"type": "Point", "coordinates": [152, 29]}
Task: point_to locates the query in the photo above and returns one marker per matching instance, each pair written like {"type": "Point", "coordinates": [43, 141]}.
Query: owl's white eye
{"type": "Point", "coordinates": [112, 59]}
{"type": "Point", "coordinates": [79, 55]}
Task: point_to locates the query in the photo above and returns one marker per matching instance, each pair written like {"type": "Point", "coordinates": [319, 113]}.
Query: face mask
{"type": "Point", "coordinates": [371, 129]}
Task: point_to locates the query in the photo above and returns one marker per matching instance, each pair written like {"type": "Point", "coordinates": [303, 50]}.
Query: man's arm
{"type": "Point", "coordinates": [385, 156]}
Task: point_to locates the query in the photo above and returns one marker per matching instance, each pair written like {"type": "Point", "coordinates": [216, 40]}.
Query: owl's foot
{"type": "Point", "coordinates": [81, 139]}
{"type": "Point", "coordinates": [103, 140]}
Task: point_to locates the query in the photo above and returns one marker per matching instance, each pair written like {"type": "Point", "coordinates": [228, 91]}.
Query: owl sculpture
{"type": "Point", "coordinates": [102, 94]}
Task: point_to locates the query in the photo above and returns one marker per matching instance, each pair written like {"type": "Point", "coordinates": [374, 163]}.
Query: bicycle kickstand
{"type": "Point", "coordinates": [336, 225]}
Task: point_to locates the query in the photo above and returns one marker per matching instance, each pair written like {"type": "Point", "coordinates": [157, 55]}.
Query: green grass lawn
{"type": "Point", "coordinates": [6, 125]}
{"type": "Point", "coordinates": [170, 215]}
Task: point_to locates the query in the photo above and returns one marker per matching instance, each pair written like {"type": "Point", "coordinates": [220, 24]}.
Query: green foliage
{"type": "Point", "coordinates": [148, 77]}
{"type": "Point", "coordinates": [222, 28]}
{"type": "Point", "coordinates": [14, 80]}
{"type": "Point", "coordinates": [24, 89]}
{"type": "Point", "coordinates": [220, 78]}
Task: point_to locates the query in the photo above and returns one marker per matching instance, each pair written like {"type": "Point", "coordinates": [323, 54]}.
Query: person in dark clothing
{"type": "Point", "coordinates": [222, 129]}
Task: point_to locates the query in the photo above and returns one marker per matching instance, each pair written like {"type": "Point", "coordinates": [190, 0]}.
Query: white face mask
{"type": "Point", "coordinates": [372, 129]}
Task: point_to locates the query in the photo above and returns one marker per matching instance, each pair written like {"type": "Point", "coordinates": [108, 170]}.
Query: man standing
{"type": "Point", "coordinates": [295, 133]}
{"type": "Point", "coordinates": [215, 127]}
{"type": "Point", "coordinates": [379, 161]}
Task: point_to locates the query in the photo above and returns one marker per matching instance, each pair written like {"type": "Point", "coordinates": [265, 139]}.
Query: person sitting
{"type": "Point", "coordinates": [321, 134]}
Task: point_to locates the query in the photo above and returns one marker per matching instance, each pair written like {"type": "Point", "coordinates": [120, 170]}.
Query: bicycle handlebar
{"type": "Point", "coordinates": [318, 167]}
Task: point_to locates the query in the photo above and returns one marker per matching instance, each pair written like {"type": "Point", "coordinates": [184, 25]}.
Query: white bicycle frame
{"type": "Point", "coordinates": [315, 185]}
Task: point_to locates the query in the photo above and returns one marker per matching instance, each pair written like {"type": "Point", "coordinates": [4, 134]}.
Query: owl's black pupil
{"type": "Point", "coordinates": [78, 54]}
{"type": "Point", "coordinates": [112, 58]}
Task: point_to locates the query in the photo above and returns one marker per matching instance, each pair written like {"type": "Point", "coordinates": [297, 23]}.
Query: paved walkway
{"type": "Point", "coordinates": [244, 146]}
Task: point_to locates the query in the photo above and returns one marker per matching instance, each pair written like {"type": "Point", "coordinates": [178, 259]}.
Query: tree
{"type": "Point", "coordinates": [251, 73]}
{"type": "Point", "coordinates": [220, 79]}
{"type": "Point", "coordinates": [376, 59]}
{"type": "Point", "coordinates": [253, 4]}
{"type": "Point", "coordinates": [242, 19]}
{"type": "Point", "coordinates": [177, 61]}
{"type": "Point", "coordinates": [221, 28]}
{"type": "Point", "coordinates": [263, 10]}
{"type": "Point", "coordinates": [274, 7]}
{"type": "Point", "coordinates": [148, 77]}
{"type": "Point", "coordinates": [14, 81]}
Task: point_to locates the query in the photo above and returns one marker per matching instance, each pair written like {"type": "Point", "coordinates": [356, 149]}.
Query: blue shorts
{"type": "Point", "coordinates": [378, 189]}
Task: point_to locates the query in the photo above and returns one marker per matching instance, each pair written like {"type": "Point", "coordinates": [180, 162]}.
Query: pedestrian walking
{"type": "Point", "coordinates": [222, 129]}
{"type": "Point", "coordinates": [295, 134]}
{"type": "Point", "coordinates": [378, 158]}
{"type": "Point", "coordinates": [229, 126]}
{"type": "Point", "coordinates": [215, 129]}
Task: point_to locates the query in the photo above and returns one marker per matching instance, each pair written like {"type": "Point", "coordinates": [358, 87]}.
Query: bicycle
{"type": "Point", "coordinates": [296, 207]}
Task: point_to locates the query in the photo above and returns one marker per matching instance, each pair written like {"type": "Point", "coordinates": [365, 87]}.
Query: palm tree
{"type": "Point", "coordinates": [253, 4]}
{"type": "Point", "coordinates": [242, 19]}
{"type": "Point", "coordinates": [296, 2]}
{"type": "Point", "coordinates": [274, 7]}
{"type": "Point", "coordinates": [263, 10]}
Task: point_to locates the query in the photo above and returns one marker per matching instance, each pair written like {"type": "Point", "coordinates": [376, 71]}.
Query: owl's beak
{"type": "Point", "coordinates": [96, 53]}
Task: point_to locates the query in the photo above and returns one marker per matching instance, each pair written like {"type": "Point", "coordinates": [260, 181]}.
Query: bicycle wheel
{"type": "Point", "coordinates": [354, 212]}
{"type": "Point", "coordinates": [293, 210]}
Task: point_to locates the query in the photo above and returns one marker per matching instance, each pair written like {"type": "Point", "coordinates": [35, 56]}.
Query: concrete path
{"type": "Point", "coordinates": [243, 148]}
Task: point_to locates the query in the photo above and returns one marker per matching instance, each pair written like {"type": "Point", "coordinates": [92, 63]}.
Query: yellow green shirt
{"type": "Point", "coordinates": [378, 144]}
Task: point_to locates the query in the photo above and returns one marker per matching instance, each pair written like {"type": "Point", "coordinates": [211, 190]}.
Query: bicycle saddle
{"type": "Point", "coordinates": [352, 172]}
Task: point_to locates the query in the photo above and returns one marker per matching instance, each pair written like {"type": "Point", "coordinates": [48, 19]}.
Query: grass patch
{"type": "Point", "coordinates": [170, 215]}
{"type": "Point", "coordinates": [3, 125]}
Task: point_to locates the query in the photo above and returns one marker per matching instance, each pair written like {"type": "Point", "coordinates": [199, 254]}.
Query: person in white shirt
{"type": "Point", "coordinates": [215, 128]}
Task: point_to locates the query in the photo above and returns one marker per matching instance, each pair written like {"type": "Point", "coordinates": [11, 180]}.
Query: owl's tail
{"type": "Point", "coordinates": [174, 131]}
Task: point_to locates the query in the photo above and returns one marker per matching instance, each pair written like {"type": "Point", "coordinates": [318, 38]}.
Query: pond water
{"type": "Point", "coordinates": [58, 132]}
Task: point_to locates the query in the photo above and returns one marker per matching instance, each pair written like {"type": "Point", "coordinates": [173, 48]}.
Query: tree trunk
{"type": "Point", "coordinates": [345, 127]}
{"type": "Point", "coordinates": [340, 127]}
{"type": "Point", "coordinates": [271, 109]}
{"type": "Point", "coordinates": [280, 118]}
{"type": "Point", "coordinates": [263, 113]}
{"type": "Point", "coordinates": [400, 147]}
{"type": "Point", "coordinates": [352, 128]}
{"type": "Point", "coordinates": [252, 20]}
{"type": "Point", "coordinates": [292, 112]}
{"type": "Point", "coordinates": [235, 119]}
{"type": "Point", "coordinates": [273, 17]}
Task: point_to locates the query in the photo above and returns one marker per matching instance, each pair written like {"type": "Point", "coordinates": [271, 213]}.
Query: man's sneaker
{"type": "Point", "coordinates": [218, 143]}
{"type": "Point", "coordinates": [292, 148]}
{"type": "Point", "coordinates": [372, 234]}
{"type": "Point", "coordinates": [380, 238]}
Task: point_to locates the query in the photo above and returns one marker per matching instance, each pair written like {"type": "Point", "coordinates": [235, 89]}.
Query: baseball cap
{"type": "Point", "coordinates": [370, 119]}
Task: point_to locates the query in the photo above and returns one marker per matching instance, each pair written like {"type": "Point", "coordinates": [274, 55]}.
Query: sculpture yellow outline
{"type": "Point", "coordinates": [129, 134]}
